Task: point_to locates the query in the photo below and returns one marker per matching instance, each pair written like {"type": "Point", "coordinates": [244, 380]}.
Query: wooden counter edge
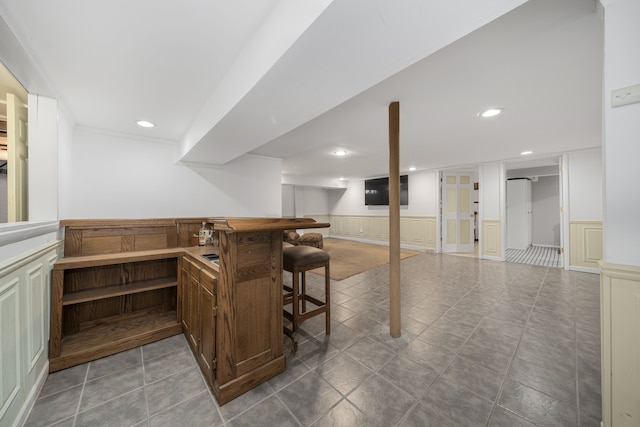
{"type": "Point", "coordinates": [244, 225]}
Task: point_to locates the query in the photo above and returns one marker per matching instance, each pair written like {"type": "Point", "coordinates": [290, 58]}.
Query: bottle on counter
{"type": "Point", "coordinates": [202, 235]}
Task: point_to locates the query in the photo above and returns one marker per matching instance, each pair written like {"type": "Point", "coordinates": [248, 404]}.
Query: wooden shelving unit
{"type": "Point", "coordinates": [105, 302]}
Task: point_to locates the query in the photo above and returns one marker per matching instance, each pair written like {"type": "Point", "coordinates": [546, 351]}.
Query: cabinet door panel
{"type": "Point", "coordinates": [206, 352]}
{"type": "Point", "coordinates": [194, 332]}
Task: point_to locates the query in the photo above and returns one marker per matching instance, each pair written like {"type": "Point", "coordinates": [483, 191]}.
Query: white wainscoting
{"type": "Point", "coordinates": [491, 247]}
{"type": "Point", "coordinates": [585, 245]}
{"type": "Point", "coordinates": [620, 317]}
{"type": "Point", "coordinates": [25, 284]}
{"type": "Point", "coordinates": [416, 232]}
{"type": "Point", "coordinates": [319, 218]}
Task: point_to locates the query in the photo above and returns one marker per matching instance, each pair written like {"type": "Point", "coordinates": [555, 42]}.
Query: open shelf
{"type": "Point", "coordinates": [118, 290]}
{"type": "Point", "coordinates": [114, 336]}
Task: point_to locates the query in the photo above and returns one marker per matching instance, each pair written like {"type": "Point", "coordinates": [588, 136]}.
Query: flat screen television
{"type": "Point", "coordinates": [376, 191]}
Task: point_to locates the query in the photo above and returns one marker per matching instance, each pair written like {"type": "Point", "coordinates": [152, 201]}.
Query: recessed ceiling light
{"type": "Point", "coordinates": [340, 153]}
{"type": "Point", "coordinates": [491, 112]}
{"type": "Point", "coordinates": [341, 178]}
{"type": "Point", "coordinates": [526, 153]}
{"type": "Point", "coordinates": [145, 124]}
{"type": "Point", "coordinates": [412, 168]}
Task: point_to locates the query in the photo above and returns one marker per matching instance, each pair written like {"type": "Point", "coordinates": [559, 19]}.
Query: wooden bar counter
{"type": "Point", "coordinates": [125, 283]}
{"type": "Point", "coordinates": [249, 326]}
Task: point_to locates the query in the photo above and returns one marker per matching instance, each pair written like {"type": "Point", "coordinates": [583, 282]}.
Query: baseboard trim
{"type": "Point", "coordinates": [492, 258]}
{"type": "Point", "coordinates": [584, 269]}
{"type": "Point", "coordinates": [379, 243]}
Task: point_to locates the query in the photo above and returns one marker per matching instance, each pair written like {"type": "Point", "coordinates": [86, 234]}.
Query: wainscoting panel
{"type": "Point", "coordinates": [585, 244]}
{"type": "Point", "coordinates": [414, 231]}
{"type": "Point", "coordinates": [491, 238]}
{"type": "Point", "coordinates": [24, 329]}
{"type": "Point", "coordinates": [11, 344]}
{"type": "Point", "coordinates": [620, 314]}
{"type": "Point", "coordinates": [430, 230]}
{"type": "Point", "coordinates": [320, 218]}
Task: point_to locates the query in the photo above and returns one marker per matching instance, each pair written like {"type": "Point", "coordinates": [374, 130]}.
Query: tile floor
{"type": "Point", "coordinates": [483, 343]}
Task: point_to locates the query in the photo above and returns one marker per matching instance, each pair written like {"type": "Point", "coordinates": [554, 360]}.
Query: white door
{"type": "Point", "coordinates": [17, 156]}
{"type": "Point", "coordinates": [457, 212]}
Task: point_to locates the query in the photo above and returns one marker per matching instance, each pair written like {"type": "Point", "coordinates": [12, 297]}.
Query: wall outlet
{"type": "Point", "coordinates": [625, 96]}
{"type": "Point", "coordinates": [361, 229]}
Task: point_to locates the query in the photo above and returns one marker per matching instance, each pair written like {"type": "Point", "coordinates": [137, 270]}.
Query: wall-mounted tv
{"type": "Point", "coordinates": [376, 191]}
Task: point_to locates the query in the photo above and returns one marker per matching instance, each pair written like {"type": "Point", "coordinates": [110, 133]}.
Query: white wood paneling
{"type": "Point", "coordinates": [585, 244]}
{"type": "Point", "coordinates": [36, 292]}
{"type": "Point", "coordinates": [24, 329]}
{"type": "Point", "coordinates": [10, 342]}
{"type": "Point", "coordinates": [491, 238]}
{"type": "Point", "coordinates": [620, 314]}
{"type": "Point", "coordinates": [414, 231]}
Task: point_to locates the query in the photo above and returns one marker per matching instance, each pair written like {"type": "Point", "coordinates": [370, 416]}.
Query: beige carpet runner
{"type": "Point", "coordinates": [349, 258]}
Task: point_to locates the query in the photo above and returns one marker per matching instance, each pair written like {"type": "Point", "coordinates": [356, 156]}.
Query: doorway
{"type": "Point", "coordinates": [458, 212]}
{"type": "Point", "coordinates": [13, 149]}
{"type": "Point", "coordinates": [533, 222]}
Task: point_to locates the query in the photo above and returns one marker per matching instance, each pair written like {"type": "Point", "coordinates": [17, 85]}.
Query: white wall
{"type": "Point", "coordinates": [117, 177]}
{"type": "Point", "coordinates": [300, 201]}
{"type": "Point", "coordinates": [622, 128]}
{"type": "Point", "coordinates": [288, 201]}
{"type": "Point", "coordinates": [43, 158]}
{"type": "Point", "coordinates": [422, 198]}
{"type": "Point", "coordinates": [545, 202]}
{"type": "Point", "coordinates": [585, 185]}
{"type": "Point", "coordinates": [491, 187]}
{"type": "Point", "coordinates": [316, 201]}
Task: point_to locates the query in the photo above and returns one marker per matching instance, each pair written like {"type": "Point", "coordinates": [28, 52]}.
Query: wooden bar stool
{"type": "Point", "coordinates": [298, 260]}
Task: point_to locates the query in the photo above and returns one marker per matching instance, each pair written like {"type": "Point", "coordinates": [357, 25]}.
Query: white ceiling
{"type": "Point", "coordinates": [300, 80]}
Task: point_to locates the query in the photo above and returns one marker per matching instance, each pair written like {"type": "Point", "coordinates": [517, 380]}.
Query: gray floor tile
{"type": "Point", "coordinates": [309, 398]}
{"type": "Point", "coordinates": [343, 336]}
{"type": "Point", "coordinates": [408, 375]}
{"type": "Point", "coordinates": [544, 380]}
{"type": "Point", "coordinates": [197, 411]}
{"type": "Point", "coordinates": [54, 407]}
{"type": "Point", "coordinates": [442, 338]}
{"type": "Point", "coordinates": [64, 423]}
{"type": "Point", "coordinates": [427, 355]}
{"type": "Point", "coordinates": [486, 356]}
{"type": "Point", "coordinates": [382, 402]}
{"type": "Point", "coordinates": [64, 379]}
{"type": "Point", "coordinates": [331, 379]}
{"type": "Point", "coordinates": [371, 354]}
{"type": "Point", "coordinates": [344, 414]}
{"type": "Point", "coordinates": [162, 347]}
{"type": "Point", "coordinates": [127, 409]}
{"type": "Point", "coordinates": [450, 406]}
{"type": "Point", "coordinates": [240, 404]}
{"type": "Point", "coordinates": [174, 389]}
{"type": "Point", "coordinates": [537, 407]}
{"type": "Point", "coordinates": [482, 381]}
{"type": "Point", "coordinates": [110, 364]}
{"type": "Point", "coordinates": [269, 412]}
{"type": "Point", "coordinates": [168, 364]}
{"type": "Point", "coordinates": [343, 373]}
{"type": "Point", "coordinates": [111, 386]}
{"type": "Point", "coordinates": [295, 369]}
{"type": "Point", "coordinates": [313, 352]}
{"type": "Point", "coordinates": [503, 418]}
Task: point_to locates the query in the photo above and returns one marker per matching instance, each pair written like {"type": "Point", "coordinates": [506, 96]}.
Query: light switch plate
{"type": "Point", "coordinates": [625, 96]}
